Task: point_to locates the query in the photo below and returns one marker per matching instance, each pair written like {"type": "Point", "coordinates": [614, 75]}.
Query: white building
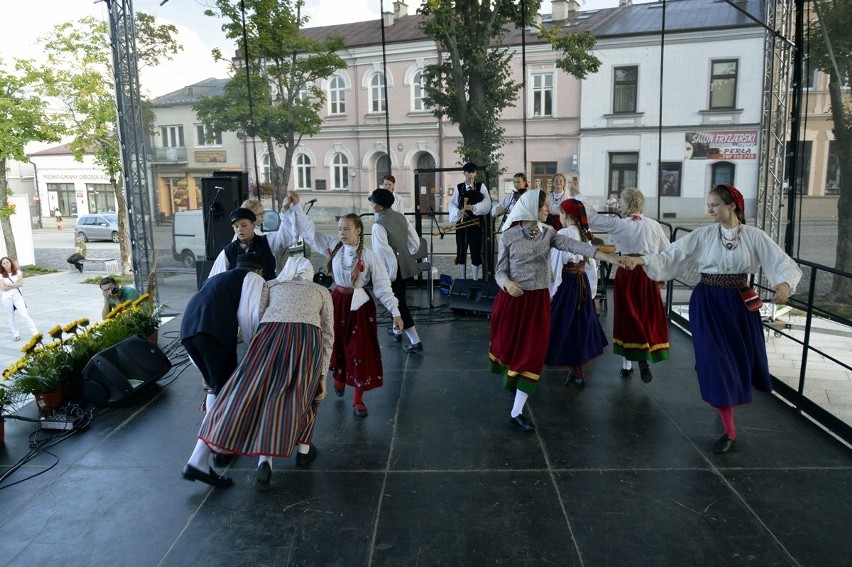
{"type": "Point", "coordinates": [75, 188]}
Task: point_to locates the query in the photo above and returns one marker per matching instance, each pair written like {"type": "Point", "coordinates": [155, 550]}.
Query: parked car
{"type": "Point", "coordinates": [103, 226]}
{"type": "Point", "coordinates": [188, 236]}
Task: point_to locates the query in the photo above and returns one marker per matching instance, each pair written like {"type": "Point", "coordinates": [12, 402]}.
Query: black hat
{"type": "Point", "coordinates": [469, 166]}
{"type": "Point", "coordinates": [242, 213]}
{"type": "Point", "coordinates": [383, 198]}
{"type": "Point", "coordinates": [249, 260]}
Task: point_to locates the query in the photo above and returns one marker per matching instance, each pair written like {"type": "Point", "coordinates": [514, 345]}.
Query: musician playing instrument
{"type": "Point", "coordinates": [519, 181]}
{"type": "Point", "coordinates": [471, 202]}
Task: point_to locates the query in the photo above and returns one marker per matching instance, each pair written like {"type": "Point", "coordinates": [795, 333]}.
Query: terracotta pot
{"type": "Point", "coordinates": [153, 337]}
{"type": "Point", "coordinates": [49, 401]}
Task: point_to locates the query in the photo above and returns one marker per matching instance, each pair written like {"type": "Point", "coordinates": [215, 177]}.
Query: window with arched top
{"type": "Point", "coordinates": [377, 93]}
{"type": "Point", "coordinates": [264, 170]}
{"type": "Point", "coordinates": [722, 173]}
{"type": "Point", "coordinates": [417, 92]}
{"type": "Point", "coordinates": [340, 169]}
{"type": "Point", "coordinates": [303, 172]}
{"type": "Point", "coordinates": [337, 96]}
{"type": "Point", "coordinates": [383, 167]}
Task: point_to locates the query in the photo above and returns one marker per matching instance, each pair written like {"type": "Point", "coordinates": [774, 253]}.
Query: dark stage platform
{"type": "Point", "coordinates": [620, 473]}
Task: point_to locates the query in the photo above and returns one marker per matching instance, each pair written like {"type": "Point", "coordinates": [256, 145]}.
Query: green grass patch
{"type": "Point", "coordinates": [37, 270]}
{"type": "Point", "coordinates": [122, 280]}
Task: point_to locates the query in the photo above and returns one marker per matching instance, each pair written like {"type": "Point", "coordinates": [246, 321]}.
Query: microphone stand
{"type": "Point", "coordinates": [432, 223]}
{"type": "Point", "coordinates": [208, 222]}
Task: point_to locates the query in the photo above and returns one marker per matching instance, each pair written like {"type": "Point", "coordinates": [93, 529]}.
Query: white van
{"type": "Point", "coordinates": [188, 236]}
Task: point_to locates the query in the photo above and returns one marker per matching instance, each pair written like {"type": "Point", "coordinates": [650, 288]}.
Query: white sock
{"type": "Point", "coordinates": [264, 459]}
{"type": "Point", "coordinates": [520, 400]}
{"type": "Point", "coordinates": [199, 457]}
{"type": "Point", "coordinates": [474, 270]}
{"type": "Point", "coordinates": [626, 364]}
{"type": "Point", "coordinates": [461, 271]}
{"type": "Point", "coordinates": [210, 402]}
{"type": "Point", "coordinates": [412, 335]}
{"type": "Point", "coordinates": [303, 449]}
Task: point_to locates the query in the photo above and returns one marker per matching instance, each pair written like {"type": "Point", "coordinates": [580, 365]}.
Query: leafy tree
{"type": "Point", "coordinates": [472, 83]}
{"type": "Point", "coordinates": [22, 120]}
{"type": "Point", "coordinates": [836, 15]}
{"type": "Point", "coordinates": [285, 66]}
{"type": "Point", "coordinates": [79, 76]}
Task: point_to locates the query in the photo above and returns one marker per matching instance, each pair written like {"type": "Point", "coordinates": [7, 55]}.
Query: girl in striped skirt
{"type": "Point", "coordinates": [724, 316]}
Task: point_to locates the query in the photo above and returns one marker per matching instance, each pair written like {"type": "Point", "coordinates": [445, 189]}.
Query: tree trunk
{"type": "Point", "coordinates": [5, 223]}
{"type": "Point", "coordinates": [123, 230]}
{"type": "Point", "coordinates": [275, 176]}
{"type": "Point", "coordinates": [841, 288]}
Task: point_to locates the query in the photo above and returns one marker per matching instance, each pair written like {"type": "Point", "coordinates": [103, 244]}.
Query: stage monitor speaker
{"type": "Point", "coordinates": [114, 375]}
{"type": "Point", "coordinates": [219, 196]}
{"type": "Point", "coordinates": [202, 271]}
{"type": "Point", "coordinates": [473, 296]}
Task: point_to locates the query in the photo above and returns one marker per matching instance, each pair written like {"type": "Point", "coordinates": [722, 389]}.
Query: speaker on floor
{"type": "Point", "coordinates": [219, 196]}
{"type": "Point", "coordinates": [473, 296]}
{"type": "Point", "coordinates": [114, 375]}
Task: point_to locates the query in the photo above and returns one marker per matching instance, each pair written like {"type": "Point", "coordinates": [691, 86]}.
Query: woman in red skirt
{"type": "Point", "coordinates": [356, 359]}
{"type": "Point", "coordinates": [640, 330]}
{"type": "Point", "coordinates": [520, 318]}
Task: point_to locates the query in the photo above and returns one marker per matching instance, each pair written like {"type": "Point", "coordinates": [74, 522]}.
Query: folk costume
{"type": "Point", "coordinates": [267, 246]}
{"type": "Point", "coordinates": [640, 329]}
{"type": "Point", "coordinates": [730, 353]}
{"type": "Point", "coordinates": [270, 403]}
{"type": "Point", "coordinates": [394, 242]}
{"type": "Point", "coordinates": [356, 358]}
{"type": "Point", "coordinates": [576, 336]}
{"type": "Point", "coordinates": [520, 326]}
{"type": "Point", "coordinates": [470, 237]}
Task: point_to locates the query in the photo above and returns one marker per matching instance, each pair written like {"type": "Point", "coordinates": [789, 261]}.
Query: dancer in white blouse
{"type": "Point", "coordinates": [11, 280]}
{"type": "Point", "coordinates": [727, 333]}
{"type": "Point", "coordinates": [356, 358]}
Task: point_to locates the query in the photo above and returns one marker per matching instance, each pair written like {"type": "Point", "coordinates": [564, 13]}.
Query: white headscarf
{"type": "Point", "coordinates": [526, 209]}
{"type": "Point", "coordinates": [300, 268]}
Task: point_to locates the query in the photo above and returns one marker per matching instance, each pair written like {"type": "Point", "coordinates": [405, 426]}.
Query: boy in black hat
{"type": "Point", "coordinates": [471, 203]}
{"type": "Point", "coordinates": [394, 242]}
{"type": "Point", "coordinates": [266, 246]}
{"type": "Point", "coordinates": [208, 332]}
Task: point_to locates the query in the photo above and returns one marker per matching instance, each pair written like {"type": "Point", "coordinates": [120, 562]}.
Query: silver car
{"type": "Point", "coordinates": [97, 227]}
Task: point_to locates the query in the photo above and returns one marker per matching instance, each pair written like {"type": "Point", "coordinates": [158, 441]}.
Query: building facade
{"type": "Point", "coordinates": [73, 187]}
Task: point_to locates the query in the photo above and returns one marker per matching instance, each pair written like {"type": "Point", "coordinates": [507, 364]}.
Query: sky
{"type": "Point", "coordinates": [198, 33]}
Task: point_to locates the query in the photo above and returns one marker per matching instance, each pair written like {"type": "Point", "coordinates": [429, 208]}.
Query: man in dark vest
{"type": "Point", "coordinates": [394, 241]}
{"type": "Point", "coordinates": [266, 246]}
{"type": "Point", "coordinates": [471, 203]}
{"type": "Point", "coordinates": [208, 332]}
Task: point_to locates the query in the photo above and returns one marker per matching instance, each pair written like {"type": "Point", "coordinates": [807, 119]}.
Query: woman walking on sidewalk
{"type": "Point", "coordinates": [11, 281]}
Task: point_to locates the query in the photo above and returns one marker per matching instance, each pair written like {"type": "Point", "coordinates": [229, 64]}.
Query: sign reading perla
{"type": "Point", "coordinates": [726, 144]}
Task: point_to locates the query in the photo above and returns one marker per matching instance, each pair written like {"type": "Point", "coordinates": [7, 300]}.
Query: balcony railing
{"type": "Point", "coordinates": [167, 155]}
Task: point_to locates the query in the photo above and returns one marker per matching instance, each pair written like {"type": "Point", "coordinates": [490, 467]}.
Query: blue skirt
{"type": "Point", "coordinates": [730, 353]}
{"type": "Point", "coordinates": [576, 336]}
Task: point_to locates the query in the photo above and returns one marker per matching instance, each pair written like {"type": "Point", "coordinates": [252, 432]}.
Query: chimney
{"type": "Point", "coordinates": [560, 9]}
{"type": "Point", "coordinates": [387, 19]}
{"type": "Point", "coordinates": [400, 9]}
{"type": "Point", "coordinates": [622, 3]}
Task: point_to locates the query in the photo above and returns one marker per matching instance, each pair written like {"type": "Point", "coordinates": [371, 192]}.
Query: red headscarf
{"type": "Point", "coordinates": [575, 208]}
{"type": "Point", "coordinates": [737, 197]}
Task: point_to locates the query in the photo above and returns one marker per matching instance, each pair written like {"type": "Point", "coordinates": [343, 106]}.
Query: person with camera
{"type": "Point", "coordinates": [115, 294]}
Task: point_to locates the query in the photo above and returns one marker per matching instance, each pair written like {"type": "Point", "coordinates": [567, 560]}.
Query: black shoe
{"type": "Point", "coordinates": [416, 347]}
{"type": "Point", "coordinates": [626, 373]}
{"type": "Point", "coordinates": [212, 478]}
{"type": "Point", "coordinates": [360, 410]}
{"type": "Point", "coordinates": [80, 267]}
{"type": "Point", "coordinates": [723, 445]}
{"type": "Point", "coordinates": [397, 336]}
{"type": "Point", "coordinates": [645, 373]}
{"type": "Point", "coordinates": [264, 473]}
{"type": "Point", "coordinates": [338, 392]}
{"type": "Point", "coordinates": [304, 459]}
{"type": "Point", "coordinates": [223, 459]}
{"type": "Point", "coordinates": [572, 377]}
{"type": "Point", "coordinates": [522, 423]}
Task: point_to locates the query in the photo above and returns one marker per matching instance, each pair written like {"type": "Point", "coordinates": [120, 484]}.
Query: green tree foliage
{"type": "Point", "coordinates": [22, 120]}
{"type": "Point", "coordinates": [471, 85]}
{"type": "Point", "coordinates": [285, 67]}
{"type": "Point", "coordinates": [79, 77]}
{"type": "Point", "coordinates": [836, 16]}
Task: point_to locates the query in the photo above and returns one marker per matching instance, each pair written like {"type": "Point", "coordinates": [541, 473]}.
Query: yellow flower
{"type": "Point", "coordinates": [141, 298]}
{"type": "Point", "coordinates": [70, 327]}
{"type": "Point", "coordinates": [55, 332]}
{"type": "Point", "coordinates": [84, 322]}
{"type": "Point", "coordinates": [31, 344]}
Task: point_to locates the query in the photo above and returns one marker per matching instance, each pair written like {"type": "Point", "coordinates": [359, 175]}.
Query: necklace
{"type": "Point", "coordinates": [530, 233]}
{"type": "Point", "coordinates": [347, 269]}
{"type": "Point", "coordinates": [556, 198]}
{"type": "Point", "coordinates": [734, 241]}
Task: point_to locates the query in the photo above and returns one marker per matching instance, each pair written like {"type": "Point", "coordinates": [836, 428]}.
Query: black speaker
{"type": "Point", "coordinates": [113, 375]}
{"type": "Point", "coordinates": [473, 296]}
{"type": "Point", "coordinates": [219, 196]}
{"type": "Point", "coordinates": [202, 271]}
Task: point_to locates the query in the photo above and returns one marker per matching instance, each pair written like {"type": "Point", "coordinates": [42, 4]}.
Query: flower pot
{"type": "Point", "coordinates": [49, 401]}
{"type": "Point", "coordinates": [153, 337]}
